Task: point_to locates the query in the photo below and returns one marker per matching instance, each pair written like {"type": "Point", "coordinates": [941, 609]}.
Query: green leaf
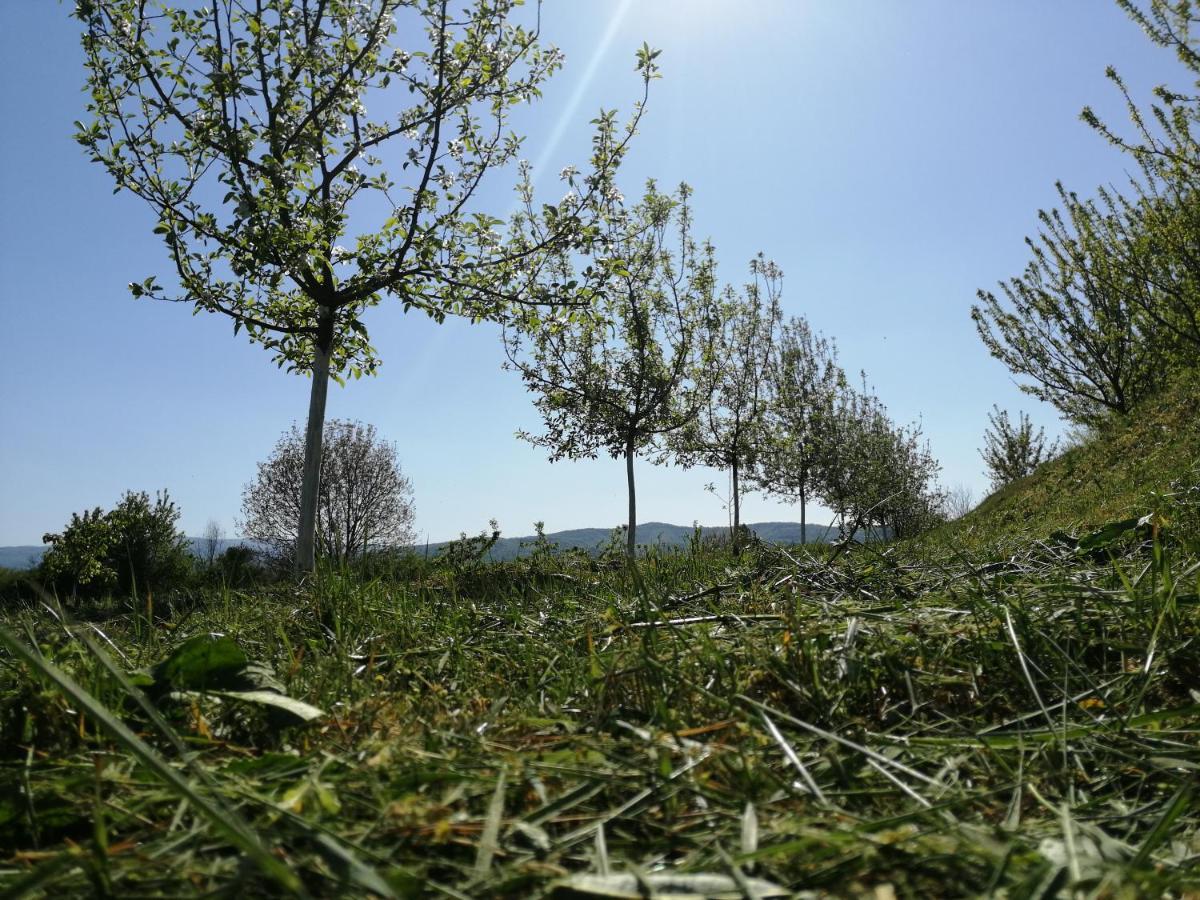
{"type": "Point", "coordinates": [205, 661]}
{"type": "Point", "coordinates": [298, 708]}
{"type": "Point", "coordinates": [1106, 536]}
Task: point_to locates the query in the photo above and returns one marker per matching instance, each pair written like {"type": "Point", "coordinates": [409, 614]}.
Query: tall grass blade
{"type": "Point", "coordinates": [233, 829]}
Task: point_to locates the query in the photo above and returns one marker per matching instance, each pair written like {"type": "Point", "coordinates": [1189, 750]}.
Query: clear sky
{"type": "Point", "coordinates": [890, 156]}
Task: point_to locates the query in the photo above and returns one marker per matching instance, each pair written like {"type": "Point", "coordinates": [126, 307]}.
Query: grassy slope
{"type": "Point", "coordinates": [1115, 475]}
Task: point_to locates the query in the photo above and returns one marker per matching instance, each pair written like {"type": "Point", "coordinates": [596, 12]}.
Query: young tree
{"type": "Point", "coordinates": [1013, 450]}
{"type": "Point", "coordinates": [846, 473]}
{"type": "Point", "coordinates": [873, 473]}
{"type": "Point", "coordinates": [729, 431]}
{"type": "Point", "coordinates": [365, 502]}
{"type": "Point", "coordinates": [244, 126]}
{"type": "Point", "coordinates": [805, 384]}
{"type": "Point", "coordinates": [1071, 323]}
{"type": "Point", "coordinates": [620, 378]}
{"type": "Point", "coordinates": [910, 499]}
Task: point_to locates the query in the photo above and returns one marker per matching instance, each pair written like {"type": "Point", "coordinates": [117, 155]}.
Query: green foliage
{"type": "Point", "coordinates": [806, 382]}
{"type": "Point", "coordinates": [1109, 305]}
{"type": "Point", "coordinates": [1075, 321]}
{"type": "Point", "coordinates": [133, 548]}
{"type": "Point", "coordinates": [468, 553]}
{"type": "Point", "coordinates": [730, 429]}
{"type": "Point", "coordinates": [15, 585]}
{"type": "Point", "coordinates": [635, 366]}
{"type": "Point", "coordinates": [1164, 209]}
{"type": "Point", "coordinates": [1012, 451]}
{"type": "Point", "coordinates": [879, 478]}
{"type": "Point", "coordinates": [275, 124]}
{"type": "Point", "coordinates": [237, 566]}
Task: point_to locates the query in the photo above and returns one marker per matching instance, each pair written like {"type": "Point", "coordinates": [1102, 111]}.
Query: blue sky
{"type": "Point", "coordinates": [891, 157]}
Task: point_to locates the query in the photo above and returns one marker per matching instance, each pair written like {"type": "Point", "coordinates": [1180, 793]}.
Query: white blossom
{"type": "Point", "coordinates": [567, 173]}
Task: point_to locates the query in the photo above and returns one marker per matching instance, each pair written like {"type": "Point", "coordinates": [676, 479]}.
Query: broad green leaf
{"type": "Point", "coordinates": [1107, 535]}
{"type": "Point", "coordinates": [204, 661]}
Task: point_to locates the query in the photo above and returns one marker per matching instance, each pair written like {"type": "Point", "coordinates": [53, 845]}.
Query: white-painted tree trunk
{"type": "Point", "coordinates": [306, 539]}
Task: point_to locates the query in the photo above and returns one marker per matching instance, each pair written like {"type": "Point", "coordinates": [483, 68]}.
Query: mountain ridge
{"type": "Point", "coordinates": [27, 556]}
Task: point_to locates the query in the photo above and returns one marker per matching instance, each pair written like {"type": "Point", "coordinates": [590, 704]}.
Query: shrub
{"type": "Point", "coordinates": [1013, 450]}
{"type": "Point", "coordinates": [133, 547]}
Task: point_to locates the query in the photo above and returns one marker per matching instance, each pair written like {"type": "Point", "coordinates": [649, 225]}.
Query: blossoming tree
{"type": "Point", "coordinates": [287, 206]}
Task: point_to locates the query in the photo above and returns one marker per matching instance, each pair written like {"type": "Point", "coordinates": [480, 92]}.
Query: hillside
{"type": "Point", "coordinates": [1121, 471]}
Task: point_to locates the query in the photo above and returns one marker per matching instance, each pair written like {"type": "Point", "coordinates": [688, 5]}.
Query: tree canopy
{"type": "Point", "coordinates": [622, 376]}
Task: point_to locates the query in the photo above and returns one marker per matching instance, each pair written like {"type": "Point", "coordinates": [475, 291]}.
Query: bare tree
{"type": "Point", "coordinates": [365, 502]}
{"type": "Point", "coordinates": [211, 540]}
{"type": "Point", "coordinates": [958, 501]}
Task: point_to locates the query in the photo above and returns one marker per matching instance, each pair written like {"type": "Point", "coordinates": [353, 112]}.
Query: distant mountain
{"type": "Point", "coordinates": [21, 557]}
{"type": "Point", "coordinates": [660, 534]}
{"type": "Point", "coordinates": [588, 539]}
{"type": "Point", "coordinates": [29, 556]}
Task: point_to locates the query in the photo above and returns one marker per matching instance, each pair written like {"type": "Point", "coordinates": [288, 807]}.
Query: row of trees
{"type": "Point", "coordinates": [666, 364]}
{"type": "Point", "coordinates": [611, 311]}
{"type": "Point", "coordinates": [1109, 305]}
{"type": "Point", "coordinates": [325, 208]}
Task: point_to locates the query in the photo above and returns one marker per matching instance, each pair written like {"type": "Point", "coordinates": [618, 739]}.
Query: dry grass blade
{"type": "Point", "coordinates": [788, 752]}
{"type": "Point", "coordinates": [749, 843]}
{"type": "Point", "coordinates": [602, 865]}
{"type": "Point", "coordinates": [489, 839]}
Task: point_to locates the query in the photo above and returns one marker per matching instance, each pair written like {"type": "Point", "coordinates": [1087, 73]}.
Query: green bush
{"type": "Point", "coordinates": [238, 567]}
{"type": "Point", "coordinates": [135, 547]}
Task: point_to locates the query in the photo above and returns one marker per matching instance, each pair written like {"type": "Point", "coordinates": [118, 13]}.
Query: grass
{"type": "Point", "coordinates": [1128, 467]}
{"type": "Point", "coordinates": [912, 722]}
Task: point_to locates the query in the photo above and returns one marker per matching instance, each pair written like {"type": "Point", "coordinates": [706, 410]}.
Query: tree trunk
{"type": "Point", "coordinates": [736, 535]}
{"type": "Point", "coordinates": [803, 523]}
{"type": "Point", "coordinates": [631, 529]}
{"type": "Point", "coordinates": [311, 484]}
